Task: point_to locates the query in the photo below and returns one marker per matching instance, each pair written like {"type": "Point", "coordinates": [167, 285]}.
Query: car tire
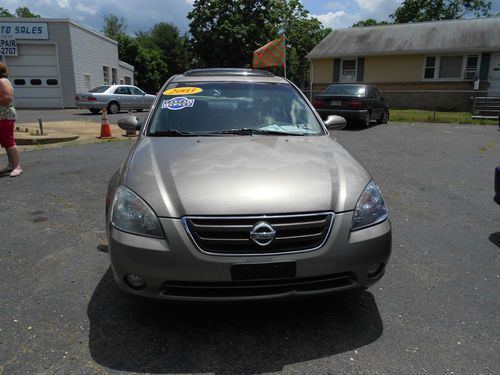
{"type": "Point", "coordinates": [113, 108]}
{"type": "Point", "coordinates": [95, 111]}
{"type": "Point", "coordinates": [366, 121]}
{"type": "Point", "coordinates": [385, 118]}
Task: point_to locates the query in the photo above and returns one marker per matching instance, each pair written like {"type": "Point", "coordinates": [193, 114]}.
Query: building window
{"type": "Point", "coordinates": [105, 74]}
{"type": "Point", "coordinates": [86, 80]}
{"type": "Point", "coordinates": [430, 67]}
{"type": "Point", "coordinates": [456, 67]}
{"type": "Point", "coordinates": [348, 70]}
{"type": "Point", "coordinates": [471, 67]}
{"type": "Point", "coordinates": [36, 82]}
{"type": "Point", "coordinates": [450, 67]}
{"type": "Point", "coordinates": [114, 76]}
{"type": "Point", "coordinates": [128, 80]}
{"type": "Point", "coordinates": [19, 82]}
{"type": "Point", "coordinates": [52, 82]}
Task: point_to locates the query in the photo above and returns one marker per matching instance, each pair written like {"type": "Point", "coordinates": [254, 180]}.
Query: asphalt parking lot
{"type": "Point", "coordinates": [435, 311]}
{"type": "Point", "coordinates": [72, 114]}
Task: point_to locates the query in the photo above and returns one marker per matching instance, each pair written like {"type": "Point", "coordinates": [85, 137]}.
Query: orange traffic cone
{"type": "Point", "coordinates": [105, 128]}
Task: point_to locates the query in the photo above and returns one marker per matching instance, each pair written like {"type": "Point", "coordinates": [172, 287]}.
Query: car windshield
{"type": "Point", "coordinates": [99, 89]}
{"type": "Point", "coordinates": [232, 108]}
{"type": "Point", "coordinates": [346, 90]}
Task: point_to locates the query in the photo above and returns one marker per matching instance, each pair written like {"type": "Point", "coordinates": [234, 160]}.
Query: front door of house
{"type": "Point", "coordinates": [495, 74]}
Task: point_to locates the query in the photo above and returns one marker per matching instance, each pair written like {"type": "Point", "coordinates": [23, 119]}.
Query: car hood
{"type": "Point", "coordinates": [244, 175]}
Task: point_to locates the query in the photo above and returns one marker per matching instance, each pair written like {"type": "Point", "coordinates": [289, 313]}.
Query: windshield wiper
{"type": "Point", "coordinates": [172, 133]}
{"type": "Point", "coordinates": [250, 131]}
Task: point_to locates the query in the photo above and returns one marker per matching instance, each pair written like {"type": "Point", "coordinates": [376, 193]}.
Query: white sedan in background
{"type": "Point", "coordinates": [114, 98]}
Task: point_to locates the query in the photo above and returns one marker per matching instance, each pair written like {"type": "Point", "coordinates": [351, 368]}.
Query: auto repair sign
{"type": "Point", "coordinates": [8, 47]}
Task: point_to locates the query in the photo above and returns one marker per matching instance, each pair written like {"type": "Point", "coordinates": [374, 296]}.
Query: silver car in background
{"type": "Point", "coordinates": [114, 98]}
{"type": "Point", "coordinates": [235, 190]}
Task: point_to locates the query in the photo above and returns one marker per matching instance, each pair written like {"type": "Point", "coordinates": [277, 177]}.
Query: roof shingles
{"type": "Point", "coordinates": [480, 34]}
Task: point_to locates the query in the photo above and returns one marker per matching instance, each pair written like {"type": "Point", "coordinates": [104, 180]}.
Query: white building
{"type": "Point", "coordinates": [50, 60]}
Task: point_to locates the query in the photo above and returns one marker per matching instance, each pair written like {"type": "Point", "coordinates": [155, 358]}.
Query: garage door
{"type": "Point", "coordinates": [35, 76]}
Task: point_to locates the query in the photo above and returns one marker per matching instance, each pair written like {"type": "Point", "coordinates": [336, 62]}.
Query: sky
{"type": "Point", "coordinates": [141, 15]}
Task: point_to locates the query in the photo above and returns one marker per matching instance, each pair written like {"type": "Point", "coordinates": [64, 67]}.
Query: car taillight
{"type": "Point", "coordinates": [91, 98]}
{"type": "Point", "coordinates": [355, 104]}
{"type": "Point", "coordinates": [318, 103]}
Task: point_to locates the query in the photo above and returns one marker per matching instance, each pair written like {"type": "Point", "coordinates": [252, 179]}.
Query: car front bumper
{"type": "Point", "coordinates": [174, 268]}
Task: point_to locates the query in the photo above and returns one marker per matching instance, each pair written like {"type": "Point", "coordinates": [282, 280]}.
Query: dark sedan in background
{"type": "Point", "coordinates": [356, 103]}
{"type": "Point", "coordinates": [114, 98]}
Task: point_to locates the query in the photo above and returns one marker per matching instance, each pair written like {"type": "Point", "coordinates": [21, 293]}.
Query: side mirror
{"type": "Point", "coordinates": [382, 98]}
{"type": "Point", "coordinates": [129, 123]}
{"type": "Point", "coordinates": [334, 122]}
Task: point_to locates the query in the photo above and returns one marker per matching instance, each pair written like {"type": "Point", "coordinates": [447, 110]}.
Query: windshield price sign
{"type": "Point", "coordinates": [8, 47]}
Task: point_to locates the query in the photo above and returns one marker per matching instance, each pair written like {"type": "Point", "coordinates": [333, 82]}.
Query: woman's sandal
{"type": "Point", "coordinates": [16, 172]}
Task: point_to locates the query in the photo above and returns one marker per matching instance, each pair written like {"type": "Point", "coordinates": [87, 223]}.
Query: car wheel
{"type": "Point", "coordinates": [366, 121]}
{"type": "Point", "coordinates": [385, 118]}
{"type": "Point", "coordinates": [113, 108]}
{"type": "Point", "coordinates": [95, 111]}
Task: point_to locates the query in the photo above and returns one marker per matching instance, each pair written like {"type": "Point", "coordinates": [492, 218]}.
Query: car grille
{"type": "Point", "coordinates": [259, 288]}
{"type": "Point", "coordinates": [231, 235]}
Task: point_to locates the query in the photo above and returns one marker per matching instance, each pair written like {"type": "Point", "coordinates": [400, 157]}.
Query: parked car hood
{"type": "Point", "coordinates": [243, 175]}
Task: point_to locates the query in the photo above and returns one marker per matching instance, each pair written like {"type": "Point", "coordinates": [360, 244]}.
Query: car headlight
{"type": "Point", "coordinates": [370, 209]}
{"type": "Point", "coordinates": [131, 214]}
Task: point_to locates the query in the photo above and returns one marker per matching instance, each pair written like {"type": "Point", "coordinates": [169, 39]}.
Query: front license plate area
{"type": "Point", "coordinates": [263, 271]}
{"type": "Point", "coordinates": [336, 102]}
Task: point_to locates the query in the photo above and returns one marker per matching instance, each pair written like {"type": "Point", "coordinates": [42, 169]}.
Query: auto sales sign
{"type": "Point", "coordinates": [10, 32]}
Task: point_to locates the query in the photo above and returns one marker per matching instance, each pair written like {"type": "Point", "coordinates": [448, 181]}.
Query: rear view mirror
{"type": "Point", "coordinates": [334, 122]}
{"type": "Point", "coordinates": [129, 123]}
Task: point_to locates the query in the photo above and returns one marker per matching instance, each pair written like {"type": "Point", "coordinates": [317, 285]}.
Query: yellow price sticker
{"type": "Point", "coordinates": [183, 91]}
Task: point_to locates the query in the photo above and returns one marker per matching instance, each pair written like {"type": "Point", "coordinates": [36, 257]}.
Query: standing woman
{"type": "Point", "coordinates": [7, 119]}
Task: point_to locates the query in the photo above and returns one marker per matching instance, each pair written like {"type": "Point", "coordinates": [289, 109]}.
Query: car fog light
{"type": "Point", "coordinates": [375, 269]}
{"type": "Point", "coordinates": [135, 282]}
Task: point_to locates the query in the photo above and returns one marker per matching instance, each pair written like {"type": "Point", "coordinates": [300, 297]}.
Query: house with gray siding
{"type": "Point", "coordinates": [443, 65]}
{"type": "Point", "coordinates": [50, 60]}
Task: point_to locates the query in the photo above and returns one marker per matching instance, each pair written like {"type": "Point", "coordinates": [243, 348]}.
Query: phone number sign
{"type": "Point", "coordinates": [8, 47]}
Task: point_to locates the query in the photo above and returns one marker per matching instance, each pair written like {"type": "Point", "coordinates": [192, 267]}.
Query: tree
{"type": "Point", "coordinates": [24, 12]}
{"type": "Point", "coordinates": [370, 22]}
{"type": "Point", "coordinates": [114, 26]}
{"type": "Point", "coordinates": [21, 12]}
{"type": "Point", "coordinates": [434, 10]}
{"type": "Point", "coordinates": [5, 12]}
{"type": "Point", "coordinates": [225, 33]}
{"type": "Point", "coordinates": [174, 47]}
{"type": "Point", "coordinates": [151, 71]}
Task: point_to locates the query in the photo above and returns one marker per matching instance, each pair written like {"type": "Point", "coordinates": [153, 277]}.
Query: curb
{"type": "Point", "coordinates": [43, 141]}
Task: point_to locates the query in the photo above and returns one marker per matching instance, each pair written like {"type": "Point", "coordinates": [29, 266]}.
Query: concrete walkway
{"type": "Point", "coordinates": [60, 134]}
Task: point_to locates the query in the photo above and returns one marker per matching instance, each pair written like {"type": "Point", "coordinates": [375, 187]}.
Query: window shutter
{"type": "Point", "coordinates": [361, 70]}
{"type": "Point", "coordinates": [336, 70]}
{"type": "Point", "coordinates": [485, 66]}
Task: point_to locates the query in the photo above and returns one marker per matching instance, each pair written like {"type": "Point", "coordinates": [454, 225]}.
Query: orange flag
{"type": "Point", "coordinates": [272, 54]}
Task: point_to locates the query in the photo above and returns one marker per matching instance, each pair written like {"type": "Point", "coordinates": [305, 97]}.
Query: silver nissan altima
{"type": "Point", "coordinates": [235, 190]}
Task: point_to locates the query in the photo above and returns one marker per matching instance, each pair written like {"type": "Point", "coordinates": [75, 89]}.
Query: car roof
{"type": "Point", "coordinates": [228, 75]}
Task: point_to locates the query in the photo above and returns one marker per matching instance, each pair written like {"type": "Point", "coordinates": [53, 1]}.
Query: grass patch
{"type": "Point", "coordinates": [413, 115]}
